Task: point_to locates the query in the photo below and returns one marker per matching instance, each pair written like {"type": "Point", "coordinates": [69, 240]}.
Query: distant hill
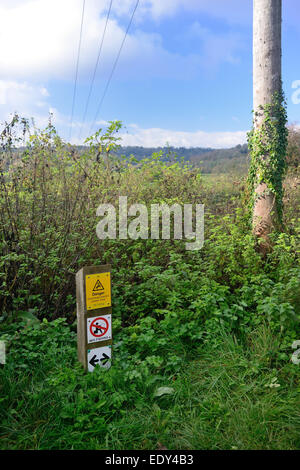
{"type": "Point", "coordinates": [210, 160]}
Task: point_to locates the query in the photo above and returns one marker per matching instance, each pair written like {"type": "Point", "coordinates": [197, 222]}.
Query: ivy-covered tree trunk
{"type": "Point", "coordinates": [268, 139]}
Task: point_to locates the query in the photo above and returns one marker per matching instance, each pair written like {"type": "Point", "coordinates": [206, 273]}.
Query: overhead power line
{"type": "Point", "coordinates": [113, 68]}
{"type": "Point", "coordinates": [76, 71]}
{"type": "Point", "coordinates": [95, 70]}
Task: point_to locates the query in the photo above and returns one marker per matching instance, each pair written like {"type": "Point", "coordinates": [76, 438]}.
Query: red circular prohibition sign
{"type": "Point", "coordinates": [103, 329]}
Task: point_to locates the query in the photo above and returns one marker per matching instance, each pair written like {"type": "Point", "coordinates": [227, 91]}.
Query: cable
{"type": "Point", "coordinates": [114, 67]}
{"type": "Point", "coordinates": [95, 70]}
{"type": "Point", "coordinates": [76, 73]}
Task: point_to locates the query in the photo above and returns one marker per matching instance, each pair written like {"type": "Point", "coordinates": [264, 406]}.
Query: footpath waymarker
{"type": "Point", "coordinates": [99, 356]}
{"type": "Point", "coordinates": [94, 316]}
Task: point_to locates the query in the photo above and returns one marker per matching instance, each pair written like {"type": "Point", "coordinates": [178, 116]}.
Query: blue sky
{"type": "Point", "coordinates": [184, 75]}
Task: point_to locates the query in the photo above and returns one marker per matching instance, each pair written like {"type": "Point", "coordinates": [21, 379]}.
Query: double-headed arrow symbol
{"type": "Point", "coordinates": [104, 359]}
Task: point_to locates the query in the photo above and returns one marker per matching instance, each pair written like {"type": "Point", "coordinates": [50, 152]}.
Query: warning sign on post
{"type": "Point", "coordinates": [98, 294]}
{"type": "Point", "coordinates": [98, 328]}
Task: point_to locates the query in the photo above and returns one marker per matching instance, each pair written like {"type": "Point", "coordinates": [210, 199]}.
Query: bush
{"type": "Point", "coordinates": [172, 309]}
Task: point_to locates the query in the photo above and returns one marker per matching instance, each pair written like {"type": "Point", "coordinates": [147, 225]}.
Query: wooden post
{"type": "Point", "coordinates": [267, 18]}
{"type": "Point", "coordinates": [94, 316]}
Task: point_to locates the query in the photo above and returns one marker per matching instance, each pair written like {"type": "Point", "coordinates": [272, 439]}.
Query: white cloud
{"type": "Point", "coordinates": [39, 40]}
{"type": "Point", "coordinates": [229, 10]}
{"type": "Point", "coordinates": [156, 137]}
{"type": "Point", "coordinates": [24, 98]}
{"type": "Point", "coordinates": [32, 101]}
{"type": "Point", "coordinates": [102, 122]}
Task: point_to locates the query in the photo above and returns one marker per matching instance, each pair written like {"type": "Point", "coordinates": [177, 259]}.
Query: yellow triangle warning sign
{"type": "Point", "coordinates": [98, 286]}
{"type": "Point", "coordinates": [98, 291]}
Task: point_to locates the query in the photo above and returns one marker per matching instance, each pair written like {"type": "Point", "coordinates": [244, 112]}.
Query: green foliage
{"type": "Point", "coordinates": [225, 395]}
{"type": "Point", "coordinates": [267, 146]}
{"type": "Point", "coordinates": [293, 148]}
{"type": "Point", "coordinates": [201, 339]}
{"type": "Point", "coordinates": [210, 161]}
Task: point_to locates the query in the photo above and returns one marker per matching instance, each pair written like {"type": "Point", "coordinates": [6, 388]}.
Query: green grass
{"type": "Point", "coordinates": [222, 401]}
{"type": "Point", "coordinates": [225, 396]}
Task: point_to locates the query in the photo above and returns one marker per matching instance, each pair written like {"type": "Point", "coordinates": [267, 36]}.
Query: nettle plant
{"type": "Point", "coordinates": [267, 145]}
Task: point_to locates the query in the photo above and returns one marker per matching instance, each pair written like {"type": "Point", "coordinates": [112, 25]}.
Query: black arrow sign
{"type": "Point", "coordinates": [94, 361]}
{"type": "Point", "coordinates": [105, 358]}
